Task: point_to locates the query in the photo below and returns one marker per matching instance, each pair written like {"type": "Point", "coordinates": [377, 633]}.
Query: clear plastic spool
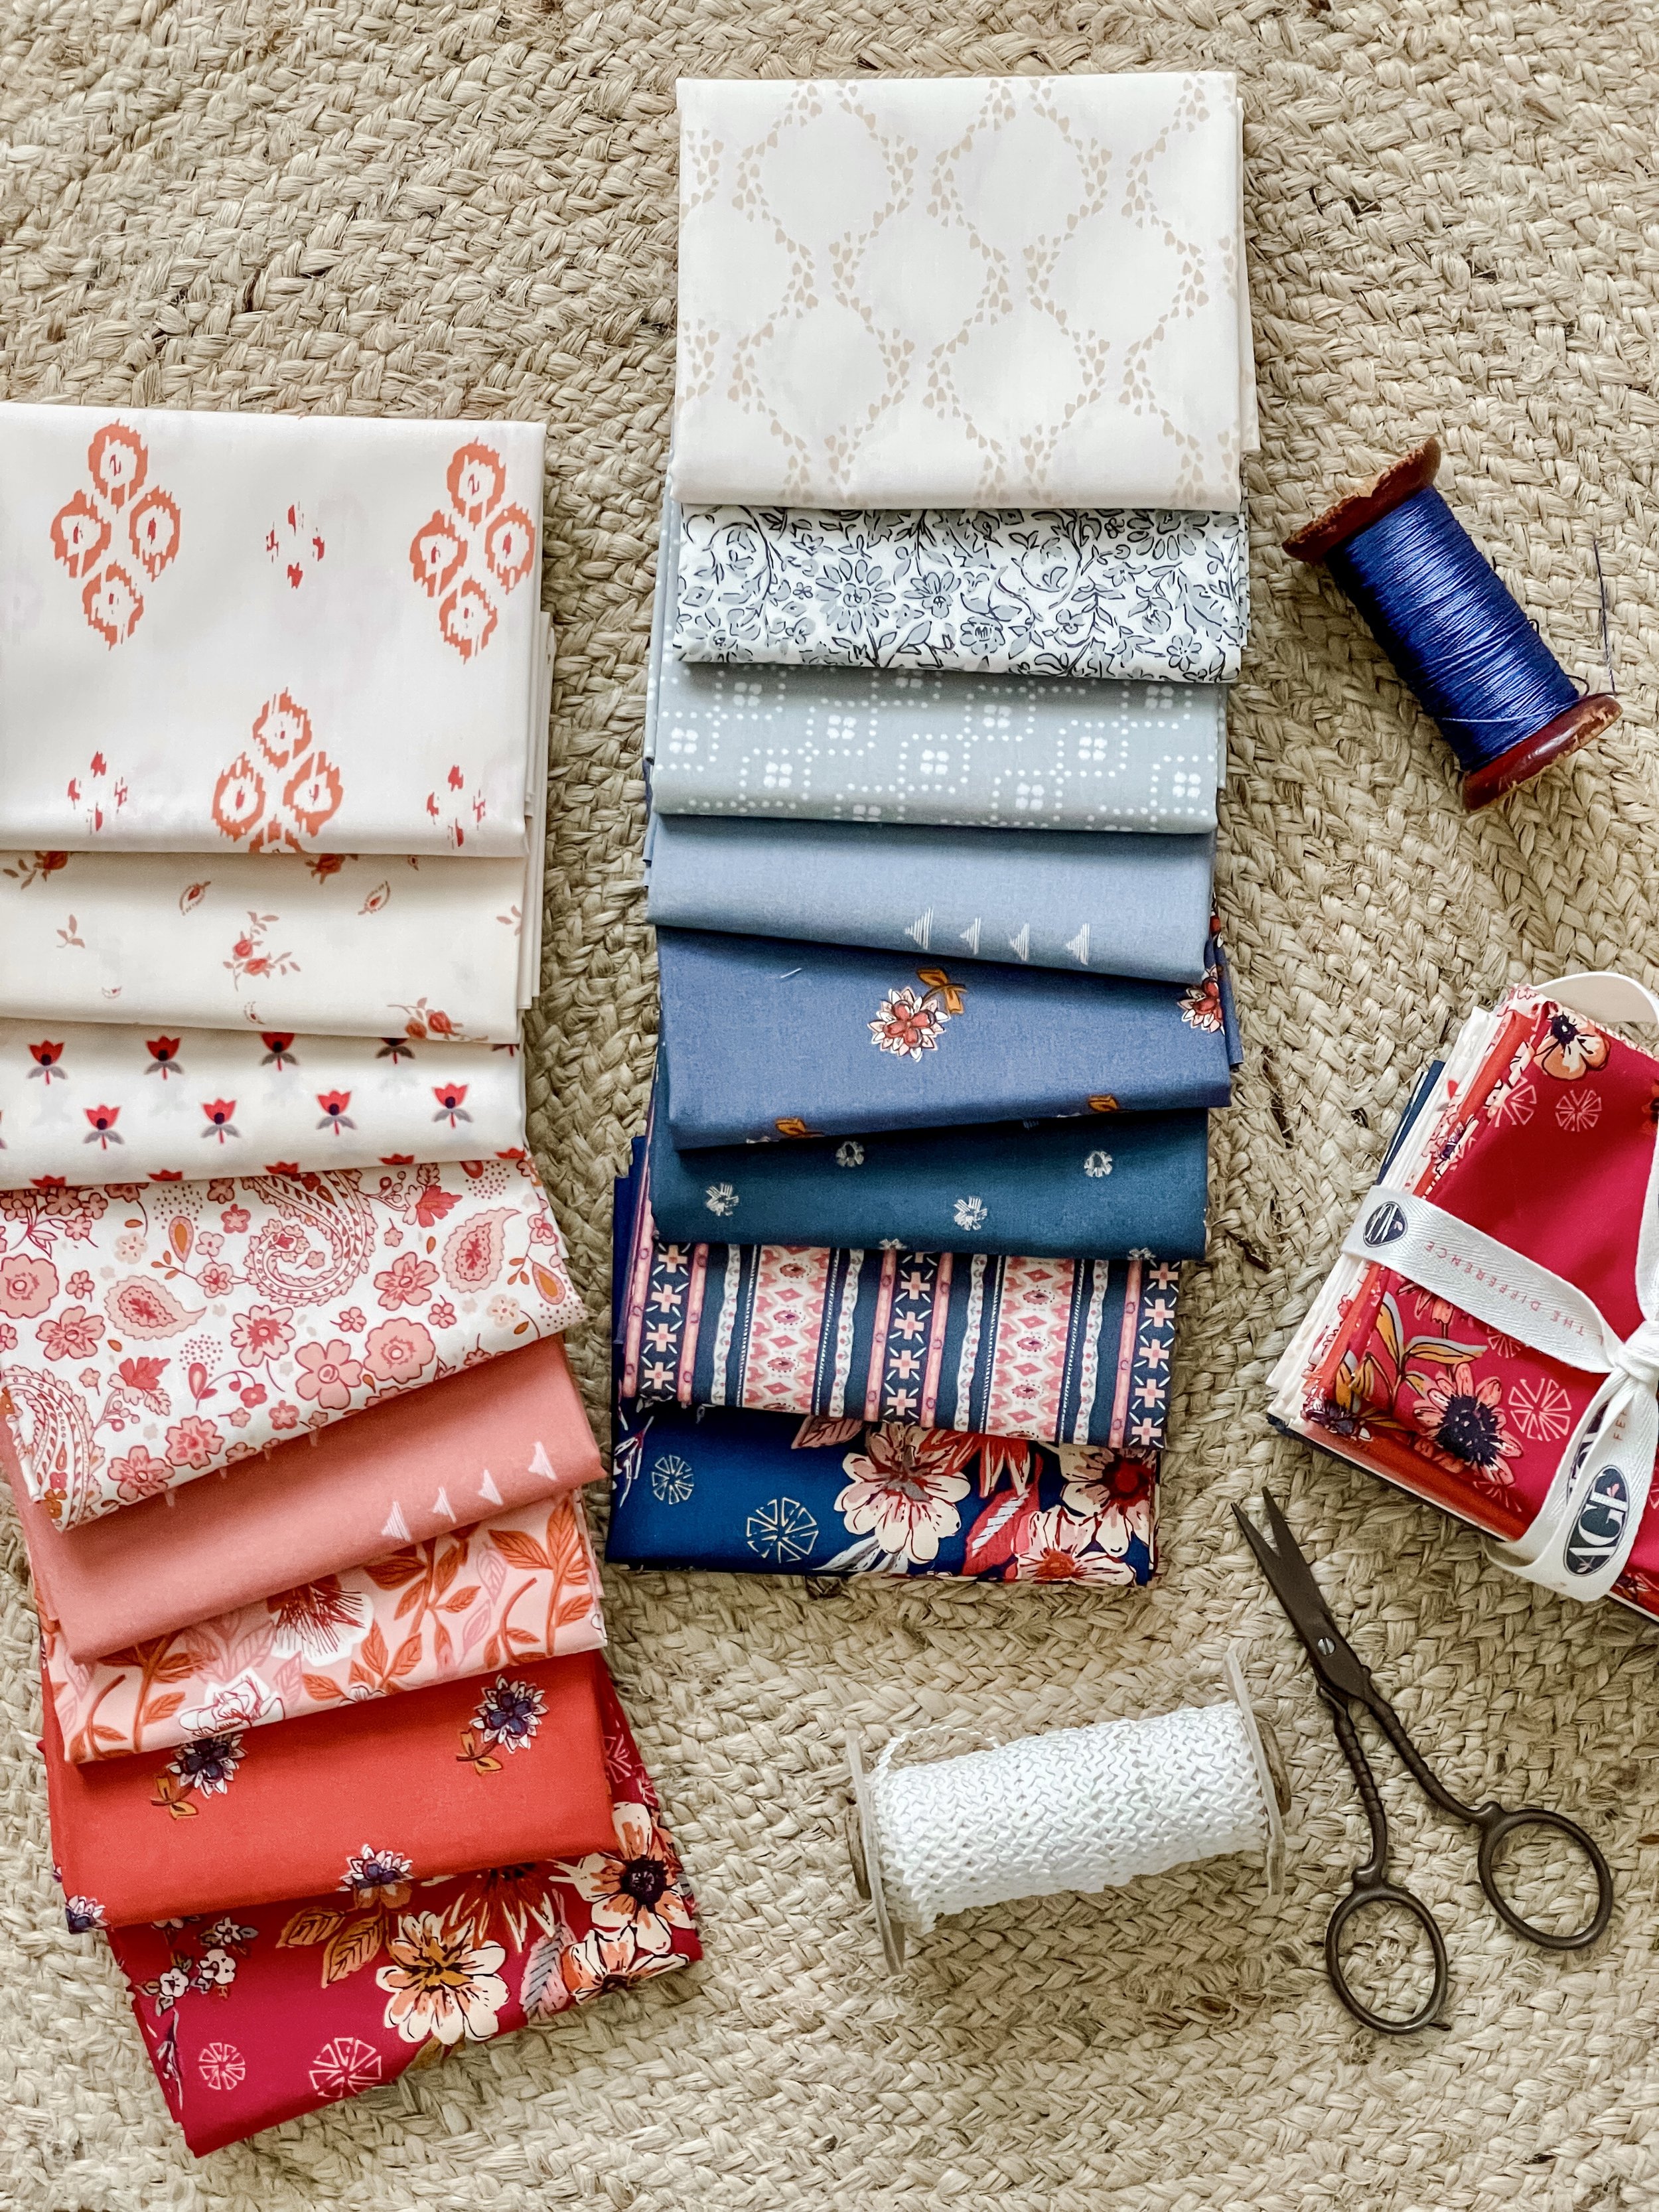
{"type": "Point", "coordinates": [862, 1832]}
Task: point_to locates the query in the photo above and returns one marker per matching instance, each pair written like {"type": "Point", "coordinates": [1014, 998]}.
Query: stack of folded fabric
{"type": "Point", "coordinates": [330, 1749]}
{"type": "Point", "coordinates": [951, 582]}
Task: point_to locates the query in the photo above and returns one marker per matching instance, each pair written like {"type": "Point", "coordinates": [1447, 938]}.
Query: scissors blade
{"type": "Point", "coordinates": [1333, 1658]}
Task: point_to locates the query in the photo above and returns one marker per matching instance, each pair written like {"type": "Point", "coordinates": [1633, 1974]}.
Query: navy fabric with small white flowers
{"type": "Point", "coordinates": [1086, 1188]}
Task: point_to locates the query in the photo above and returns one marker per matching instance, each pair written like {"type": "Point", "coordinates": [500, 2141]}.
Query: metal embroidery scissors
{"type": "Point", "coordinates": [1345, 1685]}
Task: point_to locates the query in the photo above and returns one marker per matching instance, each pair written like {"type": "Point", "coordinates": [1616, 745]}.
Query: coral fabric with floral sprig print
{"type": "Point", "coordinates": [325, 1996]}
{"type": "Point", "coordinates": [1410, 1386]}
{"type": "Point", "coordinates": [241, 1814]}
{"type": "Point", "coordinates": [227, 1315]}
{"type": "Point", "coordinates": [520, 1587]}
{"type": "Point", "coordinates": [332, 692]}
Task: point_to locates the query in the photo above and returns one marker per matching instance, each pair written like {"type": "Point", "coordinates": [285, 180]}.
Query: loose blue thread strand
{"type": "Point", "coordinates": [1456, 636]}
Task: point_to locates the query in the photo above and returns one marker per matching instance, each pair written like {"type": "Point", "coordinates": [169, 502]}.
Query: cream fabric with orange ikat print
{"type": "Point", "coordinates": [226, 632]}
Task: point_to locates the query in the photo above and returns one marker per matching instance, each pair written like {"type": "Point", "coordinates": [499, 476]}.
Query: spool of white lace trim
{"type": "Point", "coordinates": [1084, 1808]}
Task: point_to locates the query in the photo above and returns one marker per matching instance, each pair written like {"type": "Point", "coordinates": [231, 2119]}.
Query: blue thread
{"type": "Point", "coordinates": [1456, 636]}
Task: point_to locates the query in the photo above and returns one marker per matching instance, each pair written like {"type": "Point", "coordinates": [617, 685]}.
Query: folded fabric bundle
{"type": "Point", "coordinates": [728, 1492]}
{"type": "Point", "coordinates": [268, 631]}
{"type": "Point", "coordinates": [256, 2016]}
{"type": "Point", "coordinates": [521, 1587]}
{"type": "Point", "coordinates": [968, 291]}
{"type": "Point", "coordinates": [1118, 905]}
{"type": "Point", "coordinates": [1158, 596]}
{"type": "Point", "coordinates": [1071, 1190]}
{"type": "Point", "coordinates": [765, 1037]}
{"type": "Point", "coordinates": [93, 1101]}
{"type": "Point", "coordinates": [860, 743]}
{"type": "Point", "coordinates": [369, 947]}
{"type": "Point", "coordinates": [463, 1775]}
{"type": "Point", "coordinates": [176, 1328]}
{"type": "Point", "coordinates": [509, 1432]}
{"type": "Point", "coordinates": [1538, 1132]}
{"type": "Point", "coordinates": [1072, 1352]}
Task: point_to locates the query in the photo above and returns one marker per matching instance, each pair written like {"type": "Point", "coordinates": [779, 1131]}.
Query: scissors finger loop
{"type": "Point", "coordinates": [1496, 1830]}
{"type": "Point", "coordinates": [1368, 1899]}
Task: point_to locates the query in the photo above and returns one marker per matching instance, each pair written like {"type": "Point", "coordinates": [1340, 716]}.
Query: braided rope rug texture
{"type": "Point", "coordinates": [1453, 222]}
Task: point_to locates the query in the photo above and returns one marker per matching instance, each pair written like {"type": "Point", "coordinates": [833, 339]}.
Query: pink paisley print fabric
{"type": "Point", "coordinates": [333, 944]}
{"type": "Point", "coordinates": [257, 632]}
{"type": "Point", "coordinates": [151, 1335]}
{"type": "Point", "coordinates": [87, 1101]}
{"type": "Point", "coordinates": [521, 1587]}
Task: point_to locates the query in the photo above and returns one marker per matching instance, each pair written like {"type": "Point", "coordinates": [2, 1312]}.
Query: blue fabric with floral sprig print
{"type": "Point", "coordinates": [765, 1038]}
{"type": "Point", "coordinates": [1074, 1190]}
{"type": "Point", "coordinates": [731, 1491]}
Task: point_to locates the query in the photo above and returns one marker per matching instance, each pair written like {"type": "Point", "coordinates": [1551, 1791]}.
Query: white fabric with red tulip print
{"type": "Point", "coordinates": [93, 1103]}
{"type": "Point", "coordinates": [150, 1334]}
{"type": "Point", "coordinates": [229, 633]}
{"type": "Point", "coordinates": [365, 946]}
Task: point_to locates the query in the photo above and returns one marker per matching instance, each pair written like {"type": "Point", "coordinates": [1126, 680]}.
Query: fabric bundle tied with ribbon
{"type": "Point", "coordinates": [1552, 1420]}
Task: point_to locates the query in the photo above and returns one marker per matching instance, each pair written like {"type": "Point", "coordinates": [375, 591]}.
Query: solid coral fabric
{"type": "Point", "coordinates": [474, 1445]}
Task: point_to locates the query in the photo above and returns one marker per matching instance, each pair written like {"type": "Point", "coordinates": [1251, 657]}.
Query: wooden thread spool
{"type": "Point", "coordinates": [1486, 778]}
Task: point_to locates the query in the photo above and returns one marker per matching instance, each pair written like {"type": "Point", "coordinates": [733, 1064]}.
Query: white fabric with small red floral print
{"type": "Point", "coordinates": [368, 946]}
{"type": "Point", "coordinates": [149, 1335]}
{"type": "Point", "coordinates": [242, 632]}
{"type": "Point", "coordinates": [91, 1102]}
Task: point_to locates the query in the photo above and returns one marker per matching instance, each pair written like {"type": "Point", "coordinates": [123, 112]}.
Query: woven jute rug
{"type": "Point", "coordinates": [413, 207]}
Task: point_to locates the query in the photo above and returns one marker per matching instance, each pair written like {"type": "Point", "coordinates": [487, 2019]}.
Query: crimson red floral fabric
{"type": "Point", "coordinates": [1547, 1148]}
{"type": "Point", "coordinates": [149, 1335]}
{"type": "Point", "coordinates": [464, 1774]}
{"type": "Point", "coordinates": [254, 2017]}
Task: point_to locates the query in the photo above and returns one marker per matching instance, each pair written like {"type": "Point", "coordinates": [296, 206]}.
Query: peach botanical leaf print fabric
{"type": "Point", "coordinates": [352, 946]}
{"type": "Point", "coordinates": [521, 1587]}
{"type": "Point", "coordinates": [355, 601]}
{"type": "Point", "coordinates": [92, 1102]}
{"type": "Point", "coordinates": [151, 1335]}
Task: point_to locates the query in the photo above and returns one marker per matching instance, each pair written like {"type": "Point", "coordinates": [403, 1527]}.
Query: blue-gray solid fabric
{"type": "Point", "coordinates": [1116, 905]}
